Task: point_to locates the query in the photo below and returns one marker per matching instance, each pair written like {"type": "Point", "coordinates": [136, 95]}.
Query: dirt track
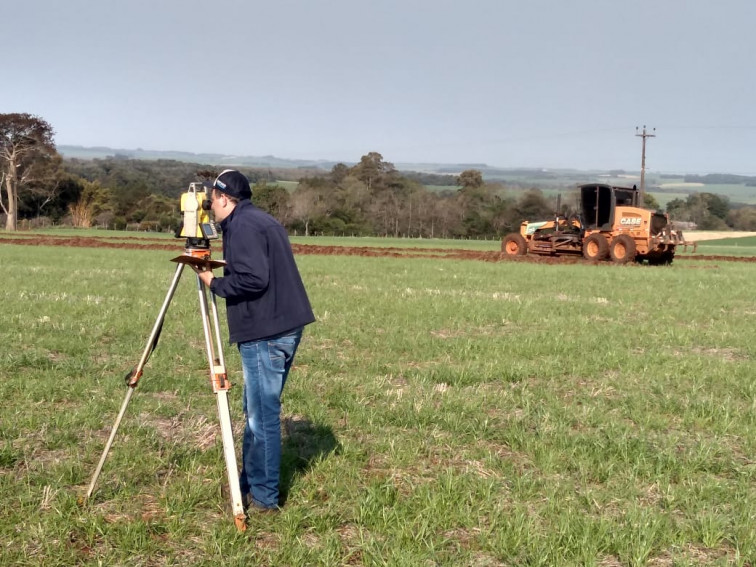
{"type": "Point", "coordinates": [136, 243]}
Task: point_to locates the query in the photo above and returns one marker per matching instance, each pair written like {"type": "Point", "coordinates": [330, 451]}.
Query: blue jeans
{"type": "Point", "coordinates": [266, 365]}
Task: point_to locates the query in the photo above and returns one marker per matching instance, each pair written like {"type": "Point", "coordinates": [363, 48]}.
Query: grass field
{"type": "Point", "coordinates": [441, 412]}
{"type": "Point", "coordinates": [290, 186]}
{"type": "Point", "coordinates": [729, 246]}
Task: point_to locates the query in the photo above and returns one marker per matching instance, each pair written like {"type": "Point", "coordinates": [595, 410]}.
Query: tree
{"type": "Point", "coordinates": [707, 210]}
{"type": "Point", "coordinates": [470, 179]}
{"type": "Point", "coordinates": [92, 200]}
{"type": "Point", "coordinates": [717, 205]}
{"type": "Point", "coordinates": [351, 194]}
{"type": "Point", "coordinates": [447, 216]}
{"type": "Point", "coordinates": [306, 205]}
{"type": "Point", "coordinates": [46, 194]}
{"type": "Point", "coordinates": [26, 148]}
{"type": "Point", "coordinates": [339, 172]}
{"type": "Point", "coordinates": [372, 170]}
{"type": "Point", "coordinates": [502, 220]}
{"type": "Point", "coordinates": [676, 208]}
{"type": "Point", "coordinates": [650, 202]}
{"type": "Point", "coordinates": [532, 205]}
{"type": "Point", "coordinates": [272, 199]}
{"type": "Point", "coordinates": [51, 200]}
{"type": "Point", "coordinates": [743, 218]}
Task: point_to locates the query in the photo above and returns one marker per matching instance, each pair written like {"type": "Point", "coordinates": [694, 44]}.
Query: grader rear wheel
{"type": "Point", "coordinates": [623, 249]}
{"type": "Point", "coordinates": [514, 245]}
{"type": "Point", "coordinates": [596, 247]}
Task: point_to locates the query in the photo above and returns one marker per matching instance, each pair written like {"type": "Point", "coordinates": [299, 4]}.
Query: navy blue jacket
{"type": "Point", "coordinates": [264, 293]}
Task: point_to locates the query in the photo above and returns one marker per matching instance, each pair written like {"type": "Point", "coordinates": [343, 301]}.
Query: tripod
{"type": "Point", "coordinates": [197, 253]}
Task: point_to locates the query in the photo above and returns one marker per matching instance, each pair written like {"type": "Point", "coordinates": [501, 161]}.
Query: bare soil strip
{"type": "Point", "coordinates": [133, 243]}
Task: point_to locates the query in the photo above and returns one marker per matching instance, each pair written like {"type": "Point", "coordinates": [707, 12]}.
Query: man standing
{"type": "Point", "coordinates": [267, 308]}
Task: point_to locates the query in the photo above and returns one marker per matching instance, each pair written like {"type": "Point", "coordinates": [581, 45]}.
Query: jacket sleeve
{"type": "Point", "coordinates": [248, 271]}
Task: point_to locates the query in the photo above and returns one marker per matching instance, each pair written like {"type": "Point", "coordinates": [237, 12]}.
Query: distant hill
{"type": "Point", "coordinates": [664, 186]}
{"type": "Point", "coordinates": [101, 152]}
{"type": "Point", "coordinates": [740, 189]}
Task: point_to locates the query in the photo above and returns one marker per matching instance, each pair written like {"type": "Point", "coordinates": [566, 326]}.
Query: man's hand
{"type": "Point", "coordinates": [205, 274]}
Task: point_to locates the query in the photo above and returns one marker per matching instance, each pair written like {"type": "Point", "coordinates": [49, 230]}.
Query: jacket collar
{"type": "Point", "coordinates": [243, 204]}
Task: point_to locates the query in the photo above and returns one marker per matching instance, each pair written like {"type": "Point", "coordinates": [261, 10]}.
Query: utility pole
{"type": "Point", "coordinates": [643, 135]}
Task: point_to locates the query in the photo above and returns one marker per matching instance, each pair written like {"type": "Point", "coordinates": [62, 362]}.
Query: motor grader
{"type": "Point", "coordinates": [610, 225]}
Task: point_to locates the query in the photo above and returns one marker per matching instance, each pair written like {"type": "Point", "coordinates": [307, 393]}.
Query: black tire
{"type": "Point", "coordinates": [664, 259]}
{"type": "Point", "coordinates": [596, 247]}
{"type": "Point", "coordinates": [514, 245]}
{"type": "Point", "coordinates": [623, 249]}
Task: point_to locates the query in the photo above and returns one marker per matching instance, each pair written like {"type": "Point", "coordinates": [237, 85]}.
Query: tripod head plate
{"type": "Point", "coordinates": [199, 262]}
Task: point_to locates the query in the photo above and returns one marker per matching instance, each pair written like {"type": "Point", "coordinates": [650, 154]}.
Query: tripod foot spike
{"type": "Point", "coordinates": [241, 522]}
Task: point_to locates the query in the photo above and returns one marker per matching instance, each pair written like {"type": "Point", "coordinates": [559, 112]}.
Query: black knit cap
{"type": "Point", "coordinates": [232, 183]}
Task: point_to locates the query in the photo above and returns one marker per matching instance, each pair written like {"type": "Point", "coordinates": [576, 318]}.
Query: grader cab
{"type": "Point", "coordinates": [610, 225]}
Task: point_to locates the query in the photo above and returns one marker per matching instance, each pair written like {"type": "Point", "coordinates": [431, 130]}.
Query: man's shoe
{"type": "Point", "coordinates": [255, 510]}
{"type": "Point", "coordinates": [253, 507]}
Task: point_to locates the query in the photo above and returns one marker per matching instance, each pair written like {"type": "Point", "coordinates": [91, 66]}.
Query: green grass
{"type": "Point", "coordinates": [440, 413]}
{"type": "Point", "coordinates": [678, 189]}
{"type": "Point", "coordinates": [493, 244]}
{"type": "Point", "coordinates": [290, 186]}
{"type": "Point", "coordinates": [85, 232]}
{"type": "Point", "coordinates": [735, 193]}
{"type": "Point", "coordinates": [745, 246]}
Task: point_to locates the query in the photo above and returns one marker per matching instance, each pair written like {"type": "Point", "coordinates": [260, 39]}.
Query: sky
{"type": "Point", "coordinates": [524, 83]}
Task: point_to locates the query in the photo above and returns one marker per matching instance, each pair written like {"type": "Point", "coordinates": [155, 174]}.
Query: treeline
{"type": "Point", "coordinates": [708, 211]}
{"type": "Point", "coordinates": [373, 198]}
{"type": "Point", "coordinates": [369, 198]}
{"type": "Point", "coordinates": [118, 192]}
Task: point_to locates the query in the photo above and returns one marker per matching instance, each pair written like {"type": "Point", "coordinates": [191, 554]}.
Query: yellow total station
{"type": "Point", "coordinates": [195, 207]}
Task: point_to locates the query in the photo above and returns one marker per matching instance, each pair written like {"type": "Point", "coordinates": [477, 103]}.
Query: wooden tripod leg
{"type": "Point", "coordinates": [221, 385]}
{"type": "Point", "coordinates": [136, 374]}
{"type": "Point", "coordinates": [109, 444]}
{"type": "Point", "coordinates": [224, 415]}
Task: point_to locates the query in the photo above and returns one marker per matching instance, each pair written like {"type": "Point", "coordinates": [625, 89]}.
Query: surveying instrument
{"type": "Point", "coordinates": [198, 230]}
